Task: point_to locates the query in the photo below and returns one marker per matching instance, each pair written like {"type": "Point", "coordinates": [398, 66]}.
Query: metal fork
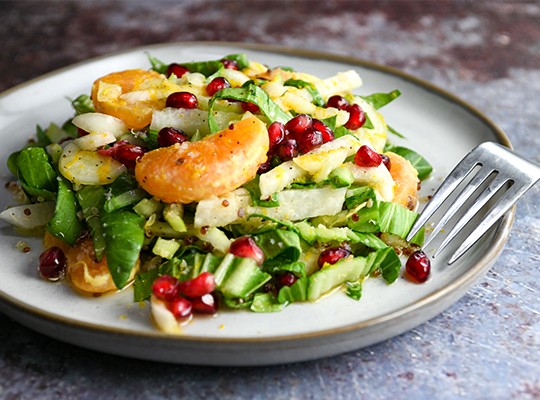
{"type": "Point", "coordinates": [507, 168]}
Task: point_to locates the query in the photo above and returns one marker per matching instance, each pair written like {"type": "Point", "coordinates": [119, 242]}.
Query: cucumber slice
{"type": "Point", "coordinates": [238, 277]}
{"type": "Point", "coordinates": [330, 277]}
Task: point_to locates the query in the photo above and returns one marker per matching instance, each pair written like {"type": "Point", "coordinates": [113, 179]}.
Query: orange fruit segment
{"type": "Point", "coordinates": [406, 178]}
{"type": "Point", "coordinates": [107, 97]}
{"type": "Point", "coordinates": [213, 166]}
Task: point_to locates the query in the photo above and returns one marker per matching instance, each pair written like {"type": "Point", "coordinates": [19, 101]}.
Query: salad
{"type": "Point", "coordinates": [221, 184]}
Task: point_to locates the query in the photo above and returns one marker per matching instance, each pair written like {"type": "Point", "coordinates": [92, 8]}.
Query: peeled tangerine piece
{"type": "Point", "coordinates": [108, 91]}
{"type": "Point", "coordinates": [213, 166]}
{"type": "Point", "coordinates": [84, 273]}
{"type": "Point", "coordinates": [405, 177]}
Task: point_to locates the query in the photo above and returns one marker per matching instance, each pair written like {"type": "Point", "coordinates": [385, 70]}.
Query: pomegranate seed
{"type": "Point", "coordinates": [216, 85]}
{"type": "Point", "coordinates": [264, 167]}
{"type": "Point", "coordinates": [198, 286]}
{"type": "Point", "coordinates": [287, 279]}
{"type": "Point", "coordinates": [418, 266]}
{"type": "Point", "coordinates": [287, 150]}
{"type": "Point", "coordinates": [180, 307]}
{"type": "Point", "coordinates": [182, 100]}
{"type": "Point", "coordinates": [82, 132]}
{"type": "Point", "coordinates": [128, 154]}
{"type": "Point", "coordinates": [246, 247]}
{"type": "Point", "coordinates": [298, 125]}
{"type": "Point", "coordinates": [52, 264]}
{"type": "Point", "coordinates": [332, 255]}
{"type": "Point", "coordinates": [386, 161]}
{"type": "Point", "coordinates": [124, 152]}
{"type": "Point", "coordinates": [327, 133]}
{"type": "Point", "coordinates": [367, 157]}
{"type": "Point", "coordinates": [276, 133]}
{"type": "Point", "coordinates": [169, 136]}
{"type": "Point", "coordinates": [269, 287]}
{"type": "Point", "coordinates": [230, 64]}
{"type": "Point", "coordinates": [206, 304]}
{"type": "Point", "coordinates": [338, 102]}
{"type": "Point", "coordinates": [251, 107]}
{"type": "Point", "coordinates": [310, 140]}
{"type": "Point", "coordinates": [357, 117]}
{"type": "Point", "coordinates": [166, 288]}
{"type": "Point", "coordinates": [176, 69]}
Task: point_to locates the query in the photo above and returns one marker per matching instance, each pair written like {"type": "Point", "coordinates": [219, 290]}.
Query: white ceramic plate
{"type": "Point", "coordinates": [435, 123]}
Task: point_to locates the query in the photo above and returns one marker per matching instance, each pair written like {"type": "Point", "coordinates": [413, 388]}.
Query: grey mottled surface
{"type": "Point", "coordinates": [487, 345]}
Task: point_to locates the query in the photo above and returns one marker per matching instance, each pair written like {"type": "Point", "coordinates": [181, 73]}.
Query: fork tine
{"type": "Point", "coordinates": [453, 180]}
{"type": "Point", "coordinates": [496, 212]}
{"type": "Point", "coordinates": [478, 179]}
{"type": "Point", "coordinates": [479, 202]}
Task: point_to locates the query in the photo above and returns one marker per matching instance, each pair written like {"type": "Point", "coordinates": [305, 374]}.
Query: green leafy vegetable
{"type": "Point", "coordinates": [378, 100]}
{"type": "Point", "coordinates": [264, 303]}
{"type": "Point", "coordinates": [251, 94]}
{"type": "Point", "coordinates": [65, 224]}
{"type": "Point", "coordinates": [279, 246]}
{"type": "Point", "coordinates": [157, 64]}
{"type": "Point", "coordinates": [82, 104]}
{"type": "Point", "coordinates": [35, 172]}
{"type": "Point", "coordinates": [142, 287]}
{"type": "Point", "coordinates": [298, 83]}
{"type": "Point", "coordinates": [396, 219]}
{"type": "Point", "coordinates": [124, 235]}
{"type": "Point", "coordinates": [421, 165]}
{"type": "Point", "coordinates": [387, 261]}
{"type": "Point", "coordinates": [124, 191]}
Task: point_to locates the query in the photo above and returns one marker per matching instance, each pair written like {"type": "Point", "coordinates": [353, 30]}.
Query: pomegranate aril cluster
{"type": "Point", "coordinates": [299, 135]}
{"type": "Point", "coordinates": [188, 297]}
{"type": "Point", "coordinates": [357, 117]}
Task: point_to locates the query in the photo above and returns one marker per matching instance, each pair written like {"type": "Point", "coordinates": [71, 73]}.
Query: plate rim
{"type": "Point", "coordinates": [14, 307]}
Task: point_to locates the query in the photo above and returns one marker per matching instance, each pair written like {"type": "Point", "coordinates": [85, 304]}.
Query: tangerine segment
{"type": "Point", "coordinates": [106, 100]}
{"type": "Point", "coordinates": [213, 166]}
{"type": "Point", "coordinates": [406, 178]}
{"type": "Point", "coordinates": [84, 273]}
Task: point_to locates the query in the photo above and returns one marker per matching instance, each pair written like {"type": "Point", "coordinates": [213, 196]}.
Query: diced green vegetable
{"type": "Point", "coordinates": [264, 303]}
{"type": "Point", "coordinates": [239, 277]}
{"type": "Point", "coordinates": [165, 248]}
{"type": "Point", "coordinates": [83, 104]}
{"type": "Point", "coordinates": [91, 200]}
{"type": "Point", "coordinates": [354, 290]}
{"type": "Point", "coordinates": [332, 276]}
{"type": "Point", "coordinates": [279, 246]}
{"type": "Point", "coordinates": [173, 214]}
{"type": "Point", "coordinates": [294, 293]}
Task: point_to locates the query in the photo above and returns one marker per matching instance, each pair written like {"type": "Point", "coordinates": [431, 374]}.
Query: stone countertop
{"type": "Point", "coordinates": [487, 345]}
